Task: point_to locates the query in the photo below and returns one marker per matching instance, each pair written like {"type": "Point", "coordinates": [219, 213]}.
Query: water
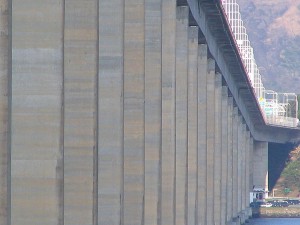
{"type": "Point", "coordinates": [275, 221]}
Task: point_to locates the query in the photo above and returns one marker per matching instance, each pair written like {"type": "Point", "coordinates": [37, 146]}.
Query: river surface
{"type": "Point", "coordinates": [275, 221]}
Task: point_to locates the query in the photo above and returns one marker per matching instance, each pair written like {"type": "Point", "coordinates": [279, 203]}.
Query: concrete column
{"type": "Point", "coordinates": [260, 165]}
{"type": "Point", "coordinates": [244, 178]}
{"type": "Point", "coordinates": [181, 113]}
{"type": "Point", "coordinates": [243, 170]}
{"type": "Point", "coordinates": [251, 151]}
{"type": "Point", "coordinates": [235, 121]}
{"type": "Point", "coordinates": [192, 126]}
{"type": "Point", "coordinates": [80, 91]}
{"type": "Point", "coordinates": [224, 155]}
{"type": "Point", "coordinates": [109, 199]}
{"type": "Point", "coordinates": [247, 172]}
{"type": "Point", "coordinates": [240, 137]}
{"type": "Point", "coordinates": [210, 132]}
{"type": "Point", "coordinates": [5, 101]}
{"type": "Point", "coordinates": [168, 112]}
{"type": "Point", "coordinates": [202, 137]}
{"type": "Point", "coordinates": [37, 113]}
{"type": "Point", "coordinates": [229, 182]}
{"type": "Point", "coordinates": [134, 123]}
{"type": "Point", "coordinates": [218, 149]}
{"type": "Point", "coordinates": [153, 67]}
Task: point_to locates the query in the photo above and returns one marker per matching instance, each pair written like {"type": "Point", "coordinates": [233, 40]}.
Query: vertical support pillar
{"type": "Point", "coordinates": [192, 125]}
{"type": "Point", "coordinates": [134, 124]}
{"type": "Point", "coordinates": [235, 121]}
{"type": "Point", "coordinates": [202, 136]}
{"type": "Point", "coordinates": [37, 113]}
{"type": "Point", "coordinates": [218, 149]}
{"type": "Point", "coordinates": [243, 169]}
{"type": "Point", "coordinates": [251, 152]}
{"type": "Point", "coordinates": [239, 163]}
{"type": "Point", "coordinates": [229, 192]}
{"type": "Point", "coordinates": [5, 95]}
{"type": "Point", "coordinates": [153, 54]}
{"type": "Point", "coordinates": [168, 112]}
{"type": "Point", "coordinates": [210, 132]}
{"type": "Point", "coordinates": [224, 155]}
{"type": "Point", "coordinates": [247, 172]}
{"type": "Point", "coordinates": [181, 113]}
{"type": "Point", "coordinates": [80, 110]}
{"type": "Point", "coordinates": [260, 165]}
{"type": "Point", "coordinates": [109, 195]}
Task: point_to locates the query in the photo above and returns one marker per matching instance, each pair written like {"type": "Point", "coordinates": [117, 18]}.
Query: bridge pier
{"type": "Point", "coordinates": [224, 155]}
{"type": "Point", "coordinates": [260, 165]}
{"type": "Point", "coordinates": [202, 134]}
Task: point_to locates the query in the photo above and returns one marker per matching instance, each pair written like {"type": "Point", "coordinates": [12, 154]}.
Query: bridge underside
{"type": "Point", "coordinates": [126, 112]}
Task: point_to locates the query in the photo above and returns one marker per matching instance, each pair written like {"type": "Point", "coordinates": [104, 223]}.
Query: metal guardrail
{"type": "Point", "coordinates": [278, 108]}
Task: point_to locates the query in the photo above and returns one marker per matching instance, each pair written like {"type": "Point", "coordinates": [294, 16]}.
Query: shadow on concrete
{"type": "Point", "coordinates": [278, 156]}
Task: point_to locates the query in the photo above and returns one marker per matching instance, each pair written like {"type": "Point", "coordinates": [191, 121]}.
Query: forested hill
{"type": "Point", "coordinates": [284, 167]}
{"type": "Point", "coordinates": [273, 27]}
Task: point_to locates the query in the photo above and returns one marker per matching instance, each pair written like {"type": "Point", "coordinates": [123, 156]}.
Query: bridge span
{"type": "Point", "coordinates": [127, 112]}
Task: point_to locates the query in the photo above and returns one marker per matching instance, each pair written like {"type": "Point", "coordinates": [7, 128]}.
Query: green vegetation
{"type": "Point", "coordinates": [289, 182]}
{"type": "Point", "coordinates": [291, 175]}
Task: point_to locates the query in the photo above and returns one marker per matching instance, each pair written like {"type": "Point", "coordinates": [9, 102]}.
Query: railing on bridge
{"type": "Point", "coordinates": [278, 108]}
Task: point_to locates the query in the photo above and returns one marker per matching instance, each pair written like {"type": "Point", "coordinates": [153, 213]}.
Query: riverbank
{"type": "Point", "coordinates": [276, 212]}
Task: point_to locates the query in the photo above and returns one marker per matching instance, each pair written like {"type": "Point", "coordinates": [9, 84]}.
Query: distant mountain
{"type": "Point", "coordinates": [273, 28]}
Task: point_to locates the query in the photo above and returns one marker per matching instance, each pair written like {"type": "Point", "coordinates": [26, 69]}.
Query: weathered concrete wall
{"type": "Point", "coordinates": [118, 116]}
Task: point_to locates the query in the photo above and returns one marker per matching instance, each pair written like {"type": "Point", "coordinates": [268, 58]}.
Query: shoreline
{"type": "Point", "coordinates": [276, 212]}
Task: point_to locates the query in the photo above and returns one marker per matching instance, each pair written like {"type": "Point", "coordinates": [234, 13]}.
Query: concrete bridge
{"type": "Point", "coordinates": [126, 112]}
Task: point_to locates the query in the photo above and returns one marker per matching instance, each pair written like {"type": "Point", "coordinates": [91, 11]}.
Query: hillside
{"type": "Point", "coordinates": [274, 31]}
{"type": "Point", "coordinates": [288, 184]}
